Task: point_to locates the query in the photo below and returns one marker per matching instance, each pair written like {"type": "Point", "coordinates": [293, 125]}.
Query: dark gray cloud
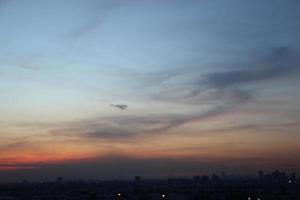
{"type": "Point", "coordinates": [231, 85]}
{"type": "Point", "coordinates": [120, 106]}
{"type": "Point", "coordinates": [281, 62]}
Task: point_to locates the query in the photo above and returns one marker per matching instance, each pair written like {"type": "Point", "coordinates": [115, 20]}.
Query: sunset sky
{"type": "Point", "coordinates": [110, 89]}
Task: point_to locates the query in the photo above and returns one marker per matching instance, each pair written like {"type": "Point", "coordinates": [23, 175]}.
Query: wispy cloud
{"type": "Point", "coordinates": [221, 91]}
{"type": "Point", "coordinates": [282, 61]}
{"type": "Point", "coordinates": [126, 128]}
{"type": "Point", "coordinates": [278, 63]}
{"type": "Point", "coordinates": [17, 166]}
{"type": "Point", "coordinates": [96, 13]}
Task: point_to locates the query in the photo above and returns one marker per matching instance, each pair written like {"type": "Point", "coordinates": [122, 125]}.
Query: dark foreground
{"type": "Point", "coordinates": [277, 186]}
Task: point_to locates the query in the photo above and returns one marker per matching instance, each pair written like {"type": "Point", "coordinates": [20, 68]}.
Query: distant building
{"type": "Point", "coordinates": [205, 178]}
{"type": "Point", "coordinates": [137, 178]}
{"type": "Point", "coordinates": [59, 179]}
{"type": "Point", "coordinates": [223, 175]}
{"type": "Point", "coordinates": [293, 177]}
{"type": "Point", "coordinates": [215, 178]}
{"type": "Point", "coordinates": [196, 178]}
{"type": "Point", "coordinates": [261, 175]}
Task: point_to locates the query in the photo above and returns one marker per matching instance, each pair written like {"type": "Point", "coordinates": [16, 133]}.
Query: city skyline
{"type": "Point", "coordinates": [114, 89]}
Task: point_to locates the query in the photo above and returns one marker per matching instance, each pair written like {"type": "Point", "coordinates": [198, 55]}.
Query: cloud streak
{"type": "Point", "coordinates": [221, 91]}
{"type": "Point", "coordinates": [96, 13]}
{"type": "Point", "coordinates": [281, 62]}
{"type": "Point", "coordinates": [126, 128]}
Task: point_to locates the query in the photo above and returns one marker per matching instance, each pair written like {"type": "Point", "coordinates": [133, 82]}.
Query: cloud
{"type": "Point", "coordinates": [126, 128]}
{"type": "Point", "coordinates": [281, 62]}
{"type": "Point", "coordinates": [120, 106]}
{"type": "Point", "coordinates": [96, 13]}
{"type": "Point", "coordinates": [18, 166]}
{"type": "Point", "coordinates": [231, 85]}
{"type": "Point", "coordinates": [116, 128]}
{"type": "Point", "coordinates": [216, 93]}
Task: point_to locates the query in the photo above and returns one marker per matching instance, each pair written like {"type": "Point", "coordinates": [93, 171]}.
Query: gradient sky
{"type": "Point", "coordinates": [157, 88]}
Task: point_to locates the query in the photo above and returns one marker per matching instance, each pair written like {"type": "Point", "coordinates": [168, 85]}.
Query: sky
{"type": "Point", "coordinates": [110, 89]}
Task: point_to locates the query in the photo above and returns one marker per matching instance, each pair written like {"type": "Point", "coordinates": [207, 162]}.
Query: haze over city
{"type": "Point", "coordinates": [110, 89]}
